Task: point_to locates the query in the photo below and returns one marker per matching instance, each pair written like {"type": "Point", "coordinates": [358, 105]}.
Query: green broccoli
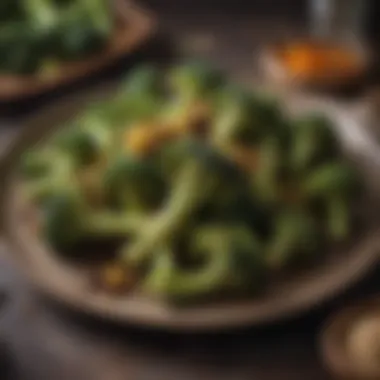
{"type": "Point", "coordinates": [68, 220]}
{"type": "Point", "coordinates": [266, 180]}
{"type": "Point", "coordinates": [86, 141]}
{"type": "Point", "coordinates": [42, 13]}
{"type": "Point", "coordinates": [338, 218]}
{"type": "Point", "coordinates": [296, 238]}
{"type": "Point", "coordinates": [19, 48]}
{"type": "Point", "coordinates": [230, 258]}
{"type": "Point", "coordinates": [332, 179]}
{"type": "Point", "coordinates": [41, 182]}
{"type": "Point", "coordinates": [313, 143]}
{"type": "Point", "coordinates": [134, 184]}
{"type": "Point", "coordinates": [194, 185]}
{"type": "Point", "coordinates": [36, 164]}
{"type": "Point", "coordinates": [243, 117]}
{"type": "Point", "coordinates": [140, 97]}
{"type": "Point", "coordinates": [194, 81]}
{"type": "Point", "coordinates": [10, 10]}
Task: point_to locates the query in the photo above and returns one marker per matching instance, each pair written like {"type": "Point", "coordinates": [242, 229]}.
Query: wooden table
{"type": "Point", "coordinates": [52, 344]}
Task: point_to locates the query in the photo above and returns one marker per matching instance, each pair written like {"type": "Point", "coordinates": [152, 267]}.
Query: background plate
{"type": "Point", "coordinates": [134, 26]}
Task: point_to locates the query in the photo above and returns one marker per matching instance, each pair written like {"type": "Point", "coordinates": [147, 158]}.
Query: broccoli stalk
{"type": "Point", "coordinates": [193, 186]}
{"type": "Point", "coordinates": [67, 220]}
{"type": "Point", "coordinates": [334, 186]}
{"type": "Point", "coordinates": [134, 184]}
{"type": "Point", "coordinates": [230, 261]}
{"type": "Point", "coordinates": [295, 239]}
{"type": "Point", "coordinates": [55, 177]}
{"type": "Point", "coordinates": [313, 142]}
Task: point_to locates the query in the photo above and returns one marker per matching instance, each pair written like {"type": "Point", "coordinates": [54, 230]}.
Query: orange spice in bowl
{"type": "Point", "coordinates": [317, 63]}
{"type": "Point", "coordinates": [315, 60]}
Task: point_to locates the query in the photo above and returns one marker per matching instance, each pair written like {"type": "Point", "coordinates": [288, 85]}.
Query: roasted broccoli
{"type": "Point", "coordinates": [86, 141]}
{"type": "Point", "coordinates": [68, 220]}
{"type": "Point", "coordinates": [194, 185]}
{"type": "Point", "coordinates": [140, 97]}
{"type": "Point", "coordinates": [35, 164]}
{"type": "Point", "coordinates": [313, 143]}
{"type": "Point", "coordinates": [332, 179]}
{"type": "Point", "coordinates": [230, 260]}
{"type": "Point", "coordinates": [339, 218]}
{"type": "Point", "coordinates": [195, 80]}
{"type": "Point", "coordinates": [295, 239]}
{"type": "Point", "coordinates": [19, 48]}
{"type": "Point", "coordinates": [267, 179]}
{"type": "Point", "coordinates": [210, 186]}
{"type": "Point", "coordinates": [37, 31]}
{"type": "Point", "coordinates": [134, 184]}
{"type": "Point", "coordinates": [242, 117]}
{"type": "Point", "coordinates": [10, 10]}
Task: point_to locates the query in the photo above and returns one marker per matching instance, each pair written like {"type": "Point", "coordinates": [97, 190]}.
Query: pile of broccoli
{"type": "Point", "coordinates": [211, 186]}
{"type": "Point", "coordinates": [36, 34]}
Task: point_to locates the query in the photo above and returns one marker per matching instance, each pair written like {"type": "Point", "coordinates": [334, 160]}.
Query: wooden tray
{"type": "Point", "coordinates": [133, 27]}
{"type": "Point", "coordinates": [284, 298]}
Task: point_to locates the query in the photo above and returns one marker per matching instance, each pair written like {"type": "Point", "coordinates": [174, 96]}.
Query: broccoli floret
{"type": "Point", "coordinates": [42, 180]}
{"type": "Point", "coordinates": [175, 154]}
{"type": "Point", "coordinates": [243, 117]}
{"type": "Point", "coordinates": [42, 13]}
{"type": "Point", "coordinates": [68, 220]}
{"type": "Point", "coordinates": [86, 141]}
{"type": "Point", "coordinates": [314, 141]}
{"type": "Point", "coordinates": [147, 79]}
{"type": "Point", "coordinates": [75, 39]}
{"type": "Point", "coordinates": [332, 179]}
{"type": "Point", "coordinates": [266, 180]}
{"type": "Point", "coordinates": [140, 97]}
{"type": "Point", "coordinates": [99, 12]}
{"type": "Point", "coordinates": [296, 238]}
{"type": "Point", "coordinates": [36, 164]}
{"type": "Point", "coordinates": [82, 146]}
{"type": "Point", "coordinates": [134, 184]}
{"type": "Point", "coordinates": [19, 48]}
{"type": "Point", "coordinates": [72, 30]}
{"type": "Point", "coordinates": [10, 10]}
{"type": "Point", "coordinates": [195, 80]}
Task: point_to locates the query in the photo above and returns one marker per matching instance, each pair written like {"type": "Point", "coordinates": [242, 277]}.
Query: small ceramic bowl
{"type": "Point", "coordinates": [274, 70]}
{"type": "Point", "coordinates": [349, 341]}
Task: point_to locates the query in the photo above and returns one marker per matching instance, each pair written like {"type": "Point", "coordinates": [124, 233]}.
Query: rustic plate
{"type": "Point", "coordinates": [285, 297]}
{"type": "Point", "coordinates": [134, 26]}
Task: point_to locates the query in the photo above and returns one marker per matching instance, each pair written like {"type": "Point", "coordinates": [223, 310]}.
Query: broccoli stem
{"type": "Point", "coordinates": [180, 285]}
{"type": "Point", "coordinates": [193, 187]}
{"type": "Point", "coordinates": [41, 189]}
{"type": "Point", "coordinates": [339, 218]}
{"type": "Point", "coordinates": [111, 224]}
